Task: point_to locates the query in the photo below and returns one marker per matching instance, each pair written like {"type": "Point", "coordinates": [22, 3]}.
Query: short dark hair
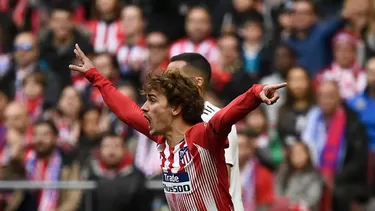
{"type": "Point", "coordinates": [252, 16]}
{"type": "Point", "coordinates": [49, 123]}
{"type": "Point", "coordinates": [62, 6]}
{"type": "Point", "coordinates": [195, 62]}
{"type": "Point", "coordinates": [37, 76]}
{"type": "Point", "coordinates": [179, 91]}
{"type": "Point", "coordinates": [112, 134]}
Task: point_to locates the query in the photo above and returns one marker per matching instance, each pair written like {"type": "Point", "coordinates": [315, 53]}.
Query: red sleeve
{"type": "Point", "coordinates": [221, 123]}
{"type": "Point", "coordinates": [264, 186]}
{"type": "Point", "coordinates": [123, 107]}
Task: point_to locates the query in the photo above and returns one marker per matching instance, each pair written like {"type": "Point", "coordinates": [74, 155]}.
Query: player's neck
{"type": "Point", "coordinates": [177, 132]}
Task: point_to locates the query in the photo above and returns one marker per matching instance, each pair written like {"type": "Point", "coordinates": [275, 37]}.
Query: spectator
{"type": "Point", "coordinates": [269, 148]}
{"type": "Point", "coordinates": [3, 103]}
{"type": "Point", "coordinates": [198, 29]}
{"type": "Point", "coordinates": [299, 100]}
{"type": "Point", "coordinates": [57, 44]}
{"type": "Point", "coordinates": [338, 143]}
{"type": "Point", "coordinates": [254, 51]}
{"type": "Point", "coordinates": [106, 29]}
{"type": "Point", "coordinates": [46, 162]}
{"type": "Point", "coordinates": [298, 182]}
{"type": "Point", "coordinates": [257, 185]}
{"type": "Point", "coordinates": [311, 37]}
{"type": "Point", "coordinates": [364, 105]}
{"type": "Point", "coordinates": [25, 61]}
{"type": "Point", "coordinates": [16, 119]}
{"type": "Point", "coordinates": [31, 95]}
{"type": "Point", "coordinates": [344, 69]}
{"type": "Point", "coordinates": [229, 77]}
{"type": "Point", "coordinates": [90, 135]}
{"type": "Point", "coordinates": [108, 66]}
{"type": "Point", "coordinates": [120, 185]}
{"type": "Point", "coordinates": [284, 59]}
{"type": "Point", "coordinates": [157, 46]}
{"type": "Point", "coordinates": [116, 125]}
{"type": "Point", "coordinates": [66, 117]}
{"type": "Point", "coordinates": [132, 53]}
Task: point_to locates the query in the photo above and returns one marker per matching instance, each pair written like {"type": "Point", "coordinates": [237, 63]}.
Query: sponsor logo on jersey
{"type": "Point", "coordinates": [176, 183]}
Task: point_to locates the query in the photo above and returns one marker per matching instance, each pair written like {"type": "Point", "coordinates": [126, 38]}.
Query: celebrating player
{"type": "Point", "coordinates": [192, 152]}
{"type": "Point", "coordinates": [194, 65]}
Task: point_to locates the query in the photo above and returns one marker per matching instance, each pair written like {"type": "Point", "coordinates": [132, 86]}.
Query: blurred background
{"type": "Point", "coordinates": [314, 150]}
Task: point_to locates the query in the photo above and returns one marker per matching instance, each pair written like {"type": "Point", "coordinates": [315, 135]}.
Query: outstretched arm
{"type": "Point", "coordinates": [123, 107]}
{"type": "Point", "coordinates": [223, 120]}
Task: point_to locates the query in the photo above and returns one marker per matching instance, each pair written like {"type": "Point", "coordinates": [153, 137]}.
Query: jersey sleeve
{"type": "Point", "coordinates": [121, 105]}
{"type": "Point", "coordinates": [221, 123]}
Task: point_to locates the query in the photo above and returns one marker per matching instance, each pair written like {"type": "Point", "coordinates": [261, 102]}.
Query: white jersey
{"type": "Point", "coordinates": [231, 158]}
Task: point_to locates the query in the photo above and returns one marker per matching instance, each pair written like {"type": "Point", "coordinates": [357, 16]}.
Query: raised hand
{"type": "Point", "coordinates": [85, 63]}
{"type": "Point", "coordinates": [270, 93]}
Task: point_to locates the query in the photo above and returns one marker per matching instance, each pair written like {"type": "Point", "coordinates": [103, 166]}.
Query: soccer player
{"type": "Point", "coordinates": [195, 66]}
{"type": "Point", "coordinates": [191, 152]}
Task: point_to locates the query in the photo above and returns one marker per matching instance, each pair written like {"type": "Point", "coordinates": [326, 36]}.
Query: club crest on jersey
{"type": "Point", "coordinates": [184, 155]}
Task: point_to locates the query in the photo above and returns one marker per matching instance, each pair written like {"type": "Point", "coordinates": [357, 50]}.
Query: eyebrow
{"type": "Point", "coordinates": [151, 95]}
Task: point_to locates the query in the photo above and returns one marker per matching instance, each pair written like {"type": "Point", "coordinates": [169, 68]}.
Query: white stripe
{"type": "Point", "coordinates": [167, 154]}
{"type": "Point", "coordinates": [112, 40]}
{"type": "Point", "coordinates": [99, 42]}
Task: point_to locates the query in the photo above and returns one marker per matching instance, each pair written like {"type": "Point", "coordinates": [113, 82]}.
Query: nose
{"type": "Point", "coordinates": [144, 107]}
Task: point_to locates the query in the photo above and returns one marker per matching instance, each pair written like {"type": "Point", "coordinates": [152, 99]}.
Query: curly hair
{"type": "Point", "coordinates": [179, 91]}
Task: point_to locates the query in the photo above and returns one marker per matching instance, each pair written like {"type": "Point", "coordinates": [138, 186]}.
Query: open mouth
{"type": "Point", "coordinates": [149, 122]}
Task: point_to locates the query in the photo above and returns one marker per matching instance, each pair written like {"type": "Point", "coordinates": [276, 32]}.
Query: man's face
{"type": "Point", "coordinates": [112, 151]}
{"type": "Point", "coordinates": [228, 47]}
{"type": "Point", "coordinates": [16, 117]}
{"type": "Point", "coordinates": [158, 47]}
{"type": "Point", "coordinates": [344, 54]}
{"type": "Point", "coordinates": [303, 16]}
{"type": "Point", "coordinates": [104, 64]}
{"type": "Point", "coordinates": [371, 73]}
{"type": "Point", "coordinates": [245, 148]}
{"type": "Point", "coordinates": [61, 24]}
{"type": "Point", "coordinates": [283, 60]}
{"type": "Point", "coordinates": [45, 139]}
{"type": "Point", "coordinates": [198, 25]}
{"type": "Point", "coordinates": [25, 50]}
{"type": "Point", "coordinates": [328, 97]}
{"type": "Point", "coordinates": [132, 20]}
{"type": "Point", "coordinates": [105, 6]}
{"type": "Point", "coordinates": [158, 112]}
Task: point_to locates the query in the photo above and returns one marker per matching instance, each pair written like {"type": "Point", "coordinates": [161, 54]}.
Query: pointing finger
{"type": "Point", "coordinates": [278, 86]}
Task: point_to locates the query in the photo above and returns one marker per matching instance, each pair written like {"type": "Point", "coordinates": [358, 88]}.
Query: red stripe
{"type": "Point", "coordinates": [171, 158]}
{"type": "Point", "coordinates": [162, 155]}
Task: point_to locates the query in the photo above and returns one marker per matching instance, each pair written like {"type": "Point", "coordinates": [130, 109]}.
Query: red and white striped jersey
{"type": "Point", "coordinates": [105, 37]}
{"type": "Point", "coordinates": [206, 48]}
{"type": "Point", "coordinates": [194, 171]}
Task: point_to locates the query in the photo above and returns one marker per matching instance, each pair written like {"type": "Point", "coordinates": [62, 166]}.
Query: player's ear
{"type": "Point", "coordinates": [199, 81]}
{"type": "Point", "coordinates": [176, 110]}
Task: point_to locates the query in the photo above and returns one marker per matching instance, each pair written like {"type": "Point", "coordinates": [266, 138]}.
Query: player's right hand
{"type": "Point", "coordinates": [84, 62]}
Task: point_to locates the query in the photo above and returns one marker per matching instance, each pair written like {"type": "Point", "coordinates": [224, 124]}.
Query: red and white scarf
{"type": "Point", "coordinates": [105, 37]}
{"type": "Point", "coordinates": [248, 185]}
{"type": "Point", "coordinates": [132, 54]}
{"type": "Point", "coordinates": [147, 157]}
{"type": "Point", "coordinates": [34, 107]}
{"type": "Point", "coordinates": [206, 48]}
{"type": "Point", "coordinates": [351, 81]}
{"type": "Point", "coordinates": [67, 139]}
{"type": "Point", "coordinates": [41, 170]}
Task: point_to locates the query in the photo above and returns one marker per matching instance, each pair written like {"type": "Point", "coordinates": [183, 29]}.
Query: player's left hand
{"type": "Point", "coordinates": [270, 93]}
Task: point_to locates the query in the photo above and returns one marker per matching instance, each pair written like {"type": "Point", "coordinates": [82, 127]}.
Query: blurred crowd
{"type": "Point", "coordinates": [314, 150]}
